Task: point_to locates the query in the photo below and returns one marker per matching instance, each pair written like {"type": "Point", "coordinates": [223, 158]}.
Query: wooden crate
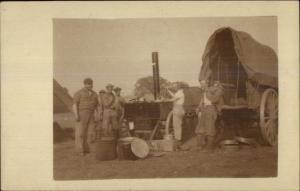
{"type": "Point", "coordinates": [163, 145]}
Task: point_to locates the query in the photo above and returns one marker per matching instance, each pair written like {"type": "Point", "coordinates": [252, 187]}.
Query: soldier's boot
{"type": "Point", "coordinates": [177, 145]}
{"type": "Point", "coordinates": [200, 142]}
{"type": "Point", "coordinates": [210, 147]}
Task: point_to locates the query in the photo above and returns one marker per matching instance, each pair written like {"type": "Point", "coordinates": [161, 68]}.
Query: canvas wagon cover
{"type": "Point", "coordinates": [259, 61]}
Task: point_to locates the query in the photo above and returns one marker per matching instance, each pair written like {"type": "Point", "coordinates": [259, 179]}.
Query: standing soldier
{"type": "Point", "coordinates": [178, 111]}
{"type": "Point", "coordinates": [85, 104]}
{"type": "Point", "coordinates": [120, 103]}
{"type": "Point", "coordinates": [110, 123]}
{"type": "Point", "coordinates": [99, 114]}
{"type": "Point", "coordinates": [211, 100]}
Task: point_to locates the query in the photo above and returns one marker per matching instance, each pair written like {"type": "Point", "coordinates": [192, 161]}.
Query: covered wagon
{"type": "Point", "coordinates": [248, 72]}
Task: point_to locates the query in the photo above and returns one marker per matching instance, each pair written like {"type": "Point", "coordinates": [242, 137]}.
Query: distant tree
{"type": "Point", "coordinates": [144, 87]}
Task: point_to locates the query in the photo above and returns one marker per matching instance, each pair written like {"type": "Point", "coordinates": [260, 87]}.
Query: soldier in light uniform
{"type": "Point", "coordinates": [211, 100]}
{"type": "Point", "coordinates": [178, 111]}
{"type": "Point", "coordinates": [85, 104]}
{"type": "Point", "coordinates": [110, 121]}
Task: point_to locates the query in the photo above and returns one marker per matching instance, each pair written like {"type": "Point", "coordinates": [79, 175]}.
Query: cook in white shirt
{"type": "Point", "coordinates": [178, 111]}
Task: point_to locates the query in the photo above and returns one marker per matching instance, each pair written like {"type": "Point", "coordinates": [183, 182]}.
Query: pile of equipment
{"type": "Point", "coordinates": [126, 148]}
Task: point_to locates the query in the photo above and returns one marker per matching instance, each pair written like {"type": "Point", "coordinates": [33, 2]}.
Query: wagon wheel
{"type": "Point", "coordinates": [269, 116]}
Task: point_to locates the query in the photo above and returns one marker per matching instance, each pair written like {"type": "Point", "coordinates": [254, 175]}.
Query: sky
{"type": "Point", "coordinates": [118, 51]}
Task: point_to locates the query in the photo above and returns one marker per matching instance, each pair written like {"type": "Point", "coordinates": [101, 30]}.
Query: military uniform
{"type": "Point", "coordinates": [120, 101]}
{"type": "Point", "coordinates": [110, 123]}
{"type": "Point", "coordinates": [211, 100]}
{"type": "Point", "coordinates": [178, 114]}
{"type": "Point", "coordinates": [99, 114]}
{"type": "Point", "coordinates": [87, 101]}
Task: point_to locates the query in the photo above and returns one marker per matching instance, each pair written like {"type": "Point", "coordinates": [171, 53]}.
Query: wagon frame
{"type": "Point", "coordinates": [247, 71]}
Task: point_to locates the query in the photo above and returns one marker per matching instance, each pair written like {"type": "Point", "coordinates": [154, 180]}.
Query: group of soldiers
{"type": "Point", "coordinates": [97, 113]}
{"type": "Point", "coordinates": [107, 109]}
{"type": "Point", "coordinates": [208, 110]}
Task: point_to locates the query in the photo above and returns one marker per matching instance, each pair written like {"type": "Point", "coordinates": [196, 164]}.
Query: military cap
{"type": "Point", "coordinates": [102, 91]}
{"type": "Point", "coordinates": [109, 85]}
{"type": "Point", "coordinates": [88, 81]}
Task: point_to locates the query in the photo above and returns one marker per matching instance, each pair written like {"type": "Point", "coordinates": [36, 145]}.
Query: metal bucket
{"type": "Point", "coordinates": [124, 151]}
{"type": "Point", "coordinates": [229, 145]}
{"type": "Point", "coordinates": [106, 148]}
{"type": "Point", "coordinates": [140, 148]}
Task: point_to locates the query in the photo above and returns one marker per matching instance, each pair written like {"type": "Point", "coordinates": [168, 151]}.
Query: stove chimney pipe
{"type": "Point", "coordinates": [156, 77]}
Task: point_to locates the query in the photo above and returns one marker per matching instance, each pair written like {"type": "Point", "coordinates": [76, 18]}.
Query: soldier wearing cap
{"type": "Point", "coordinates": [210, 104]}
{"type": "Point", "coordinates": [120, 101]}
{"type": "Point", "coordinates": [110, 124]}
{"type": "Point", "coordinates": [100, 103]}
{"type": "Point", "coordinates": [85, 104]}
{"type": "Point", "coordinates": [99, 115]}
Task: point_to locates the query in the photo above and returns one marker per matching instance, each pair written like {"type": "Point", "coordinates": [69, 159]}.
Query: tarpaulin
{"type": "Point", "coordinates": [259, 61]}
{"type": "Point", "coordinates": [62, 101]}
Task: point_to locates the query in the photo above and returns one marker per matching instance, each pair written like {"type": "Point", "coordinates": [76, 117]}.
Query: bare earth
{"type": "Point", "coordinates": [248, 162]}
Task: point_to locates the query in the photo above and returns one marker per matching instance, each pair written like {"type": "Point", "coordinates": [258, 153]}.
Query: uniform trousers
{"type": "Point", "coordinates": [84, 130]}
{"type": "Point", "coordinates": [178, 114]}
{"type": "Point", "coordinates": [207, 121]}
{"type": "Point", "coordinates": [110, 122]}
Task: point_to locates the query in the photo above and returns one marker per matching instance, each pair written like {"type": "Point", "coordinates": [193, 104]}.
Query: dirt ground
{"type": "Point", "coordinates": [248, 162]}
{"type": "Point", "coordinates": [260, 161]}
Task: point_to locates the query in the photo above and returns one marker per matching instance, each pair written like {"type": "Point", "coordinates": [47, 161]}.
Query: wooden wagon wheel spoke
{"type": "Point", "coordinates": [270, 131]}
{"type": "Point", "coordinates": [269, 116]}
{"type": "Point", "coordinates": [267, 127]}
{"type": "Point", "coordinates": [275, 133]}
{"type": "Point", "coordinates": [275, 103]}
{"type": "Point", "coordinates": [271, 124]}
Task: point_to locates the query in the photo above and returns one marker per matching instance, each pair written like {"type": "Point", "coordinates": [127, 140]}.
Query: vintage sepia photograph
{"type": "Point", "coordinates": [182, 97]}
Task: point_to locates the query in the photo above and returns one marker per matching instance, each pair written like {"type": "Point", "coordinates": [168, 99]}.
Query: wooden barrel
{"type": "Point", "coordinates": [124, 151]}
{"type": "Point", "coordinates": [106, 148]}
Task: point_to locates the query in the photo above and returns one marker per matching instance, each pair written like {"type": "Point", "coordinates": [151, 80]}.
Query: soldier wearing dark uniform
{"type": "Point", "coordinates": [99, 114]}
{"type": "Point", "coordinates": [85, 104]}
{"type": "Point", "coordinates": [211, 100]}
{"type": "Point", "coordinates": [110, 122]}
{"type": "Point", "coordinates": [120, 101]}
